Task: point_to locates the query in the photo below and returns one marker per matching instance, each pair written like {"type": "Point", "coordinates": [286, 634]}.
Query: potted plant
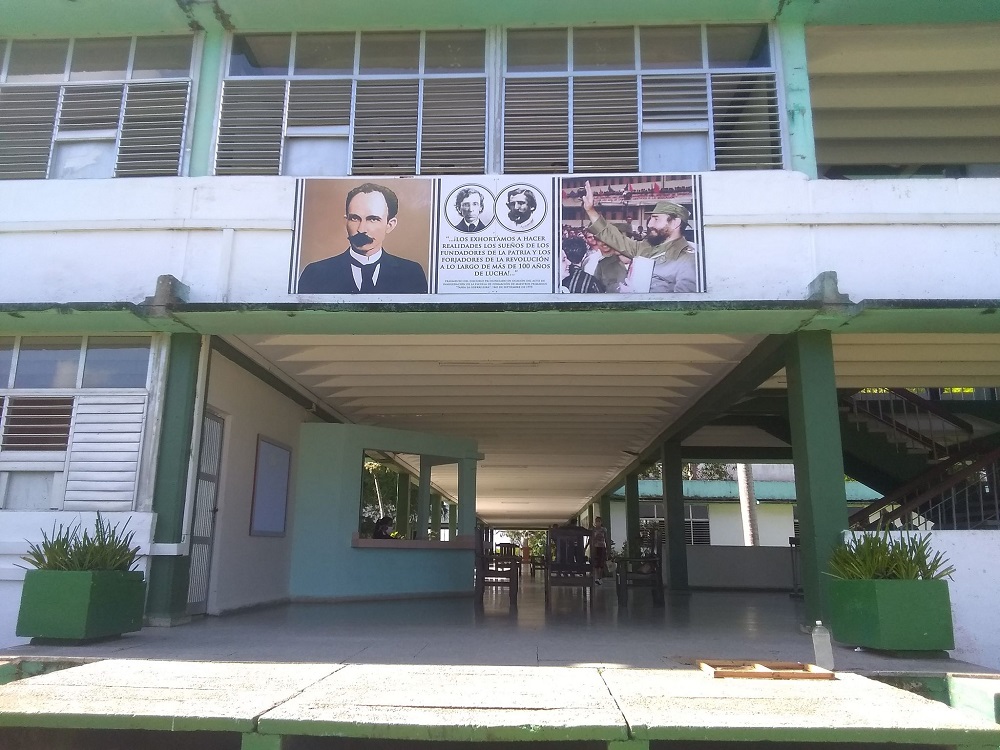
{"type": "Point", "coordinates": [890, 592]}
{"type": "Point", "coordinates": [83, 585]}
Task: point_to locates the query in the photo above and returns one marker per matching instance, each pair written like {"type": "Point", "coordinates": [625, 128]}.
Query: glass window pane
{"type": "Point", "coordinates": [738, 47]}
{"type": "Point", "coordinates": [260, 55]}
{"type": "Point", "coordinates": [113, 362]}
{"type": "Point", "coordinates": [670, 47]}
{"type": "Point", "coordinates": [604, 49]}
{"type": "Point", "coordinates": [454, 51]}
{"type": "Point", "coordinates": [47, 363]}
{"type": "Point", "coordinates": [37, 61]}
{"type": "Point", "coordinates": [390, 52]}
{"type": "Point", "coordinates": [83, 159]}
{"type": "Point", "coordinates": [536, 50]}
{"type": "Point", "coordinates": [162, 57]}
{"type": "Point", "coordinates": [99, 59]}
{"type": "Point", "coordinates": [324, 54]}
{"type": "Point", "coordinates": [315, 157]}
{"type": "Point", "coordinates": [6, 354]}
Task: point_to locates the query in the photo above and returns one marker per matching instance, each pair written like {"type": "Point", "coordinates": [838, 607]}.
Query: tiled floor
{"type": "Point", "coordinates": [701, 625]}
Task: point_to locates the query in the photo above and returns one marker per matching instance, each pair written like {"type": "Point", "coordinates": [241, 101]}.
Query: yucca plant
{"type": "Point", "coordinates": [109, 548]}
{"type": "Point", "coordinates": [879, 555]}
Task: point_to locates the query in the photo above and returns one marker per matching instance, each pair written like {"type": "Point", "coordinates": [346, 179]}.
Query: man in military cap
{"type": "Point", "coordinates": [673, 257]}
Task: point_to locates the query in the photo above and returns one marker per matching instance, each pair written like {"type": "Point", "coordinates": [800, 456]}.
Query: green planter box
{"type": "Point", "coordinates": [80, 605]}
{"type": "Point", "coordinates": [892, 615]}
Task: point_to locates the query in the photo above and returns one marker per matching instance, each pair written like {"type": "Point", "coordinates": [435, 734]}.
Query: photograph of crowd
{"type": "Point", "coordinates": [630, 234]}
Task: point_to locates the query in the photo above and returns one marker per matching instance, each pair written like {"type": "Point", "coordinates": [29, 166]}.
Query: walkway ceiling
{"type": "Point", "coordinates": [559, 417]}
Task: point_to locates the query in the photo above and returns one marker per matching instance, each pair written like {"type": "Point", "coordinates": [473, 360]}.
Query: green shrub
{"type": "Point", "coordinates": [880, 556]}
{"type": "Point", "coordinates": [110, 548]}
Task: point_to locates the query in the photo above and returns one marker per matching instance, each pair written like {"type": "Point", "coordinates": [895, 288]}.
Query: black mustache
{"type": "Point", "coordinates": [359, 240]}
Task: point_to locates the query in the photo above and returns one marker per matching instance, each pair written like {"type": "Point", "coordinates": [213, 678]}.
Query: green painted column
{"type": "Point", "coordinates": [167, 589]}
{"type": "Point", "coordinates": [673, 500]}
{"type": "Point", "coordinates": [632, 513]}
{"type": "Point", "coordinates": [424, 497]}
{"type": "Point", "coordinates": [466, 496]}
{"type": "Point", "coordinates": [403, 504]}
{"type": "Point", "coordinates": [452, 521]}
{"type": "Point", "coordinates": [590, 515]}
{"type": "Point", "coordinates": [798, 106]}
{"type": "Point", "coordinates": [435, 516]}
{"type": "Point", "coordinates": [819, 463]}
{"type": "Point", "coordinates": [206, 102]}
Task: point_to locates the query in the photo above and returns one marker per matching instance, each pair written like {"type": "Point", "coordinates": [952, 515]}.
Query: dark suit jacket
{"type": "Point", "coordinates": [477, 228]}
{"type": "Point", "coordinates": [334, 276]}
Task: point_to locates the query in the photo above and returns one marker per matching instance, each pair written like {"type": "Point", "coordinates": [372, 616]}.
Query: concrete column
{"type": "Point", "coordinates": [798, 106]}
{"type": "Point", "coordinates": [435, 519]}
{"type": "Point", "coordinates": [452, 520]}
{"type": "Point", "coordinates": [403, 504]}
{"type": "Point", "coordinates": [169, 576]}
{"type": "Point", "coordinates": [206, 102]}
{"type": "Point", "coordinates": [673, 493]}
{"type": "Point", "coordinates": [748, 504]}
{"type": "Point", "coordinates": [819, 464]}
{"type": "Point", "coordinates": [632, 513]}
{"type": "Point", "coordinates": [466, 497]}
{"type": "Point", "coordinates": [424, 497]}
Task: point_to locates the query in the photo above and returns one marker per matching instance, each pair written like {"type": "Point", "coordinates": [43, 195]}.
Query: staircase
{"type": "Point", "coordinates": [953, 461]}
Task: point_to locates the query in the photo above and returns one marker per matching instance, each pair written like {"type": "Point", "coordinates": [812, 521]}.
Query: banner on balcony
{"type": "Point", "coordinates": [498, 234]}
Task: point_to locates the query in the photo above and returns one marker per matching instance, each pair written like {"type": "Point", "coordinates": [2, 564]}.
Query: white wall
{"type": "Point", "coordinates": [18, 529]}
{"type": "Point", "coordinates": [768, 234]}
{"type": "Point", "coordinates": [775, 523]}
{"type": "Point", "coordinates": [248, 570]}
{"type": "Point", "coordinates": [975, 593]}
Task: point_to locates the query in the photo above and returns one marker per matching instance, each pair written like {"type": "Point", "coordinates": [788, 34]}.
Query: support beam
{"type": "Point", "coordinates": [673, 493]}
{"type": "Point", "coordinates": [819, 465]}
{"type": "Point", "coordinates": [798, 105]}
{"type": "Point", "coordinates": [435, 518]}
{"type": "Point", "coordinates": [466, 497]}
{"type": "Point", "coordinates": [166, 599]}
{"type": "Point", "coordinates": [424, 497]}
{"type": "Point", "coordinates": [403, 504]}
{"type": "Point", "coordinates": [632, 513]}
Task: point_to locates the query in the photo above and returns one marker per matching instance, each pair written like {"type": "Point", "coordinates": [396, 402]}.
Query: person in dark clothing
{"type": "Point", "coordinates": [578, 281]}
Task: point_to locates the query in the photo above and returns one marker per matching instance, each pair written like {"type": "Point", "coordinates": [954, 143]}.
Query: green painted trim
{"type": "Point", "coordinates": [267, 377]}
{"type": "Point", "coordinates": [176, 429]}
{"type": "Point", "coordinates": [201, 119]}
{"type": "Point", "coordinates": [798, 106]}
{"type": "Point", "coordinates": [819, 467]}
{"type": "Point", "coordinates": [672, 486]}
{"type": "Point", "coordinates": [253, 741]}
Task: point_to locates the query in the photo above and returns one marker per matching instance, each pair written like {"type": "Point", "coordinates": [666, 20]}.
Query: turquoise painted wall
{"type": "Point", "coordinates": [113, 17]}
{"type": "Point", "coordinates": [325, 516]}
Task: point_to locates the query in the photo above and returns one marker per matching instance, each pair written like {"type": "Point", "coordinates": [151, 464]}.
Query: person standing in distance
{"type": "Point", "coordinates": [365, 267]}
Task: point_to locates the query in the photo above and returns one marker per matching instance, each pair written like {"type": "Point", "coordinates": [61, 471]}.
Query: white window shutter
{"type": "Point", "coordinates": [104, 452]}
{"type": "Point", "coordinates": [250, 128]}
{"type": "Point", "coordinates": [536, 125]}
{"type": "Point", "coordinates": [675, 102]}
{"type": "Point", "coordinates": [319, 104]}
{"type": "Point", "coordinates": [152, 133]}
{"type": "Point", "coordinates": [385, 128]}
{"type": "Point", "coordinates": [27, 122]}
{"type": "Point", "coordinates": [453, 135]}
{"type": "Point", "coordinates": [605, 124]}
{"type": "Point", "coordinates": [90, 108]}
{"type": "Point", "coordinates": [746, 121]}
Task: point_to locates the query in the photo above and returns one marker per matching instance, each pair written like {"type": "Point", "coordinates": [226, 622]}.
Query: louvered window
{"type": "Point", "coordinates": [697, 529]}
{"type": "Point", "coordinates": [36, 424]}
{"type": "Point", "coordinates": [651, 99]}
{"type": "Point", "coordinates": [114, 113]}
{"type": "Point", "coordinates": [364, 104]}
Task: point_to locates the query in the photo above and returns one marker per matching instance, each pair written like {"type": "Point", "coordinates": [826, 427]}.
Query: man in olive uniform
{"type": "Point", "coordinates": [673, 258]}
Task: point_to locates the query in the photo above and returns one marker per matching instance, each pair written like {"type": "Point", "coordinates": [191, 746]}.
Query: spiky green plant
{"type": "Point", "coordinates": [109, 548]}
{"type": "Point", "coordinates": [880, 555]}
